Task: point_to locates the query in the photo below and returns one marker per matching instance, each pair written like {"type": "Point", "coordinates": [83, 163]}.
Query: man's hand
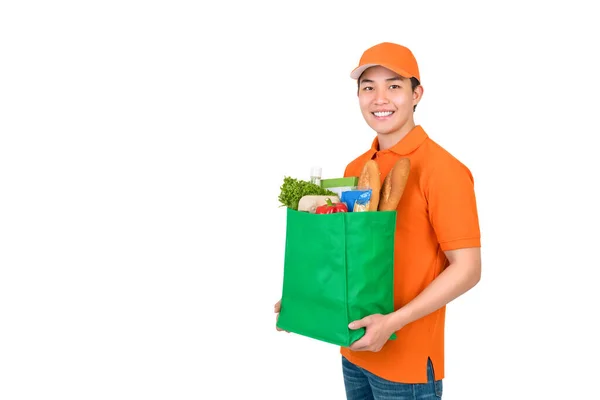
{"type": "Point", "coordinates": [277, 309]}
{"type": "Point", "coordinates": [378, 331]}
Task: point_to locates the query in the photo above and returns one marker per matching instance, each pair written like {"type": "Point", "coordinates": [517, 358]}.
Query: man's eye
{"type": "Point", "coordinates": [395, 87]}
{"type": "Point", "coordinates": [367, 88]}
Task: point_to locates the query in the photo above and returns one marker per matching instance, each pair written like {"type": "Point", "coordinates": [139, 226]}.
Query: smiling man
{"type": "Point", "coordinates": [437, 244]}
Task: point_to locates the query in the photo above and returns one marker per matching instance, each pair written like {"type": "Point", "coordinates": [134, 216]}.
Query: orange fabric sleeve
{"type": "Point", "coordinates": [453, 207]}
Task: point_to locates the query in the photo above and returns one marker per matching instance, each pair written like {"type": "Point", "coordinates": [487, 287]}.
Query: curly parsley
{"type": "Point", "coordinates": [293, 190]}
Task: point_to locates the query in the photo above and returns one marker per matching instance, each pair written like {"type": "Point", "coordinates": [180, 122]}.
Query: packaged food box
{"type": "Point", "coordinates": [339, 185]}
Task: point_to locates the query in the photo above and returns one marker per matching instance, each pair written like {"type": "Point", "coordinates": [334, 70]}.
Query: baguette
{"type": "Point", "coordinates": [393, 185]}
{"type": "Point", "coordinates": [370, 178]}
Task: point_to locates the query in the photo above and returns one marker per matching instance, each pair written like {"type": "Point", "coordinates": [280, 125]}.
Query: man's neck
{"type": "Point", "coordinates": [389, 140]}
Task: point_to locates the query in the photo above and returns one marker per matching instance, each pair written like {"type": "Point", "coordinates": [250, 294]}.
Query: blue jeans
{"type": "Point", "coordinates": [362, 385]}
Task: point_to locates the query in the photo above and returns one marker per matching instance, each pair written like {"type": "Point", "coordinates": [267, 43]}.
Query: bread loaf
{"type": "Point", "coordinates": [393, 185]}
{"type": "Point", "coordinates": [370, 178]}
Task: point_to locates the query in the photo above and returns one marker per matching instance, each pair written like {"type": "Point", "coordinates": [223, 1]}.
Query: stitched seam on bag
{"type": "Point", "coordinates": [345, 217]}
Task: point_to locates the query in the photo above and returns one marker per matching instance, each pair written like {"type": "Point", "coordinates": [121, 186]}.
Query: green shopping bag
{"type": "Point", "coordinates": [338, 268]}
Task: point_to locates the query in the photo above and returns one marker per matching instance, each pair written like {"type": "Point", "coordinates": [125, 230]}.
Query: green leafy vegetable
{"type": "Point", "coordinates": [293, 190]}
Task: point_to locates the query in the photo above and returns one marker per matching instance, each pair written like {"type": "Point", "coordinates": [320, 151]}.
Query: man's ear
{"type": "Point", "coordinates": [417, 95]}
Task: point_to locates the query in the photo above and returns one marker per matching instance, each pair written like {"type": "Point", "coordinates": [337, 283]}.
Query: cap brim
{"type": "Point", "coordinates": [358, 71]}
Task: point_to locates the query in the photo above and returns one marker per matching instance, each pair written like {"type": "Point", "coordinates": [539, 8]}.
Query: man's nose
{"type": "Point", "coordinates": [380, 97]}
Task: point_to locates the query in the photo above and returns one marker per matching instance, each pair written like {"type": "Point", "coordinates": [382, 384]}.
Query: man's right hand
{"type": "Point", "coordinates": [277, 309]}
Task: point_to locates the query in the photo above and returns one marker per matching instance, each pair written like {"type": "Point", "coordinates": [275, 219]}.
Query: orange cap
{"type": "Point", "coordinates": [391, 56]}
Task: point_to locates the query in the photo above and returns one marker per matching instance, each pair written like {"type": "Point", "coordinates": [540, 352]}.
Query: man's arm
{"type": "Point", "coordinates": [462, 274]}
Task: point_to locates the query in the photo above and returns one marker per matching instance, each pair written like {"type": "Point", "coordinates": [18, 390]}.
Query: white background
{"type": "Point", "coordinates": [143, 144]}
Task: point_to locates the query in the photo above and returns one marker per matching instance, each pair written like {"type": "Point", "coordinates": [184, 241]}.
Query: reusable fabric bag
{"type": "Point", "coordinates": [338, 268]}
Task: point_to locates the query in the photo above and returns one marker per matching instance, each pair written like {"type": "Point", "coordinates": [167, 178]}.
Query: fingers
{"type": "Point", "coordinates": [361, 323]}
{"type": "Point", "coordinates": [365, 343]}
{"type": "Point", "coordinates": [361, 344]}
{"type": "Point", "coordinates": [277, 309]}
{"type": "Point", "coordinates": [278, 328]}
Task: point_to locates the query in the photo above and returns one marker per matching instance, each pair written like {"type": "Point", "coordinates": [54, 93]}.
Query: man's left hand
{"type": "Point", "coordinates": [378, 331]}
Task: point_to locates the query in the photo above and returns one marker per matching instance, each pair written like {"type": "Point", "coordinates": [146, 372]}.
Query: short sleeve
{"type": "Point", "coordinates": [453, 207]}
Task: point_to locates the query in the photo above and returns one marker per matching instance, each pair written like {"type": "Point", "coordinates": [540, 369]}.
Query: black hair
{"type": "Point", "coordinates": [414, 83]}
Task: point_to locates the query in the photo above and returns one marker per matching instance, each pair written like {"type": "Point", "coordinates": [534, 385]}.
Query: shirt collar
{"type": "Point", "coordinates": [409, 143]}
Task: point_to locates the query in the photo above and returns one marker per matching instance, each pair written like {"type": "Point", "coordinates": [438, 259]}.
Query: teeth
{"type": "Point", "coordinates": [383, 114]}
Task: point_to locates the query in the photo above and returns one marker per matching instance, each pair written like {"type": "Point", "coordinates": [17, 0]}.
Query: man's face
{"type": "Point", "coordinates": [386, 100]}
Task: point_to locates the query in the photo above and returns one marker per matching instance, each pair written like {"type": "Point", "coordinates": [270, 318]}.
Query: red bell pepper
{"type": "Point", "coordinates": [332, 208]}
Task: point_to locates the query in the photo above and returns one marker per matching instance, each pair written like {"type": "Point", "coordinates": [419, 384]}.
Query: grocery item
{"type": "Point", "coordinates": [393, 185]}
{"type": "Point", "coordinates": [370, 179]}
{"type": "Point", "coordinates": [310, 203]}
{"type": "Point", "coordinates": [292, 190]}
{"type": "Point", "coordinates": [339, 185]}
{"type": "Point", "coordinates": [331, 208]}
{"type": "Point", "coordinates": [315, 175]}
{"type": "Point", "coordinates": [357, 200]}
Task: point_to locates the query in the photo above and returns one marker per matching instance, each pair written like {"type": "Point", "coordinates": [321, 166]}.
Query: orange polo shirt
{"type": "Point", "coordinates": [437, 212]}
